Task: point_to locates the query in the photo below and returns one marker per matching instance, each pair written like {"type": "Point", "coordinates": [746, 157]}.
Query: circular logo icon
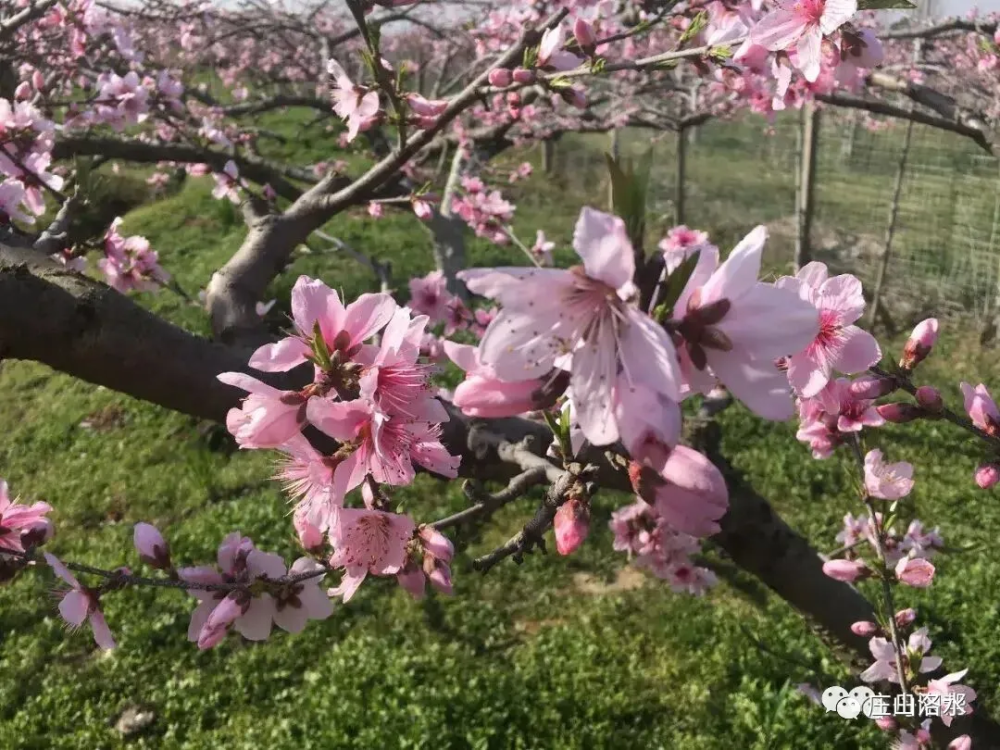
{"type": "Point", "coordinates": [832, 696]}
{"type": "Point", "coordinates": [849, 708]}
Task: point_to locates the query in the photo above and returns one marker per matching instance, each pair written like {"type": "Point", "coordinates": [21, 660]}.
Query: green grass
{"type": "Point", "coordinates": [531, 656]}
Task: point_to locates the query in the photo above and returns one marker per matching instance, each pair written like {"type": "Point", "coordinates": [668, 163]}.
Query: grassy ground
{"type": "Point", "coordinates": [556, 653]}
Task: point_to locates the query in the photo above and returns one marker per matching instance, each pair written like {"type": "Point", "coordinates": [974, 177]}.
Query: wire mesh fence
{"type": "Point", "coordinates": [945, 252]}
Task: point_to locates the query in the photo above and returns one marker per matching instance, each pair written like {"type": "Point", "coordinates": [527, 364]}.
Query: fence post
{"type": "Point", "coordinates": [807, 184]}
{"type": "Point", "coordinates": [680, 176]}
{"type": "Point", "coordinates": [615, 150]}
{"type": "Point", "coordinates": [548, 152]}
{"type": "Point", "coordinates": [890, 230]}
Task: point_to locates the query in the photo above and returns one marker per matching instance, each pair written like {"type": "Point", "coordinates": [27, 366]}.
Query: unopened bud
{"type": "Point", "coordinates": [500, 77]}
{"type": "Point", "coordinates": [524, 76]}
{"type": "Point", "coordinates": [38, 80]}
{"type": "Point", "coordinates": [151, 546]}
{"type": "Point", "coordinates": [905, 617]}
{"type": "Point", "coordinates": [864, 628]}
{"type": "Point", "coordinates": [585, 37]}
{"type": "Point", "coordinates": [571, 524]}
{"type": "Point", "coordinates": [987, 475]}
{"type": "Point", "coordinates": [870, 387]}
{"type": "Point", "coordinates": [513, 99]}
{"type": "Point", "coordinates": [575, 97]}
{"type": "Point", "coordinates": [929, 397]}
{"type": "Point", "coordinates": [920, 343]}
{"type": "Point", "coordinates": [847, 571]}
{"type": "Point", "coordinates": [23, 91]}
{"type": "Point", "coordinates": [899, 413]}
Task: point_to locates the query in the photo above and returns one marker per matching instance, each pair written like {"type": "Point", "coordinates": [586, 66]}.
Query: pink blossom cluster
{"type": "Point", "coordinates": [376, 401]}
{"type": "Point", "coordinates": [648, 539]}
{"type": "Point", "coordinates": [129, 263]}
{"type": "Point", "coordinates": [486, 212]}
{"type": "Point", "coordinates": [26, 141]}
{"type": "Point", "coordinates": [429, 296]}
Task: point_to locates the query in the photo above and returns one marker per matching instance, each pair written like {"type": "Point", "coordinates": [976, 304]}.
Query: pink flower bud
{"type": "Point", "coordinates": [899, 413]}
{"type": "Point", "coordinates": [38, 80]}
{"type": "Point", "coordinates": [572, 524]}
{"type": "Point", "coordinates": [905, 617]}
{"type": "Point", "coordinates": [575, 97]}
{"type": "Point", "coordinates": [513, 99]}
{"type": "Point", "coordinates": [886, 723]}
{"type": "Point", "coordinates": [987, 475]}
{"type": "Point", "coordinates": [423, 210]}
{"type": "Point", "coordinates": [228, 611]}
{"type": "Point", "coordinates": [23, 91]}
{"type": "Point", "coordinates": [963, 742]}
{"type": "Point", "coordinates": [929, 397]}
{"type": "Point", "coordinates": [915, 571]}
{"type": "Point", "coordinates": [920, 343]}
{"type": "Point", "coordinates": [847, 571]}
{"type": "Point", "coordinates": [585, 37]}
{"type": "Point", "coordinates": [869, 387]}
{"type": "Point", "coordinates": [436, 544]}
{"type": "Point", "coordinates": [151, 546]}
{"type": "Point", "coordinates": [865, 628]}
{"type": "Point", "coordinates": [524, 76]}
{"type": "Point", "coordinates": [500, 77]}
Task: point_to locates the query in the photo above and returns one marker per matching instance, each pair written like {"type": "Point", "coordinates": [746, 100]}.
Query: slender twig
{"type": "Point", "coordinates": [128, 579]}
{"type": "Point", "coordinates": [878, 539]}
{"type": "Point", "coordinates": [487, 503]}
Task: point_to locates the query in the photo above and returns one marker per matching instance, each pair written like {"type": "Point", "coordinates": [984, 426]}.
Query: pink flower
{"type": "Point", "coordinates": [929, 397]}
{"type": "Point", "coordinates": [947, 686]}
{"type": "Point", "coordinates": [429, 296]}
{"type": "Point", "coordinates": [79, 604]}
{"type": "Point", "coordinates": [384, 447]}
{"type": "Point", "coordinates": [22, 525]}
{"type": "Point", "coordinates": [12, 196]}
{"type": "Point", "coordinates": [920, 343]}
{"type": "Point", "coordinates": [684, 487]}
{"type": "Point", "coordinates": [847, 571]}
{"type": "Point", "coordinates": [736, 327]}
{"type": "Point", "coordinates": [542, 249]}
{"type": "Point", "coordinates": [963, 742]}
{"type": "Point", "coordinates": [803, 24]}
{"type": "Point", "coordinates": [679, 244]}
{"type": "Point", "coordinates": [268, 417]}
{"type": "Point", "coordinates": [227, 184]}
{"type": "Point", "coordinates": [571, 524]}
{"type": "Point", "coordinates": [884, 667]}
{"type": "Point", "coordinates": [263, 308]}
{"type": "Point", "coordinates": [905, 617]}
{"type": "Point", "coordinates": [981, 408]}
{"type": "Point", "coordinates": [343, 329]}
{"type": "Point", "coordinates": [482, 394]}
{"type": "Point", "coordinates": [368, 541]}
{"type": "Point", "coordinates": [151, 546]}
{"type": "Point", "coordinates": [551, 53]}
{"type": "Point", "coordinates": [583, 311]}
{"type": "Point", "coordinates": [356, 104]}
{"type": "Point", "coordinates": [887, 481]}
{"type": "Point", "coordinates": [839, 345]}
{"type": "Point", "coordinates": [915, 571]}
{"type": "Point", "coordinates": [375, 210]}
{"type": "Point", "coordinates": [312, 481]}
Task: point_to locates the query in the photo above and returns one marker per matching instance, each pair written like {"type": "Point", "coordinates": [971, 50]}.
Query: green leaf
{"type": "Point", "coordinates": [628, 195]}
{"type": "Point", "coordinates": [320, 351]}
{"type": "Point", "coordinates": [885, 5]}
{"type": "Point", "coordinates": [530, 57]}
{"type": "Point", "coordinates": [672, 287]}
{"type": "Point", "coordinates": [698, 23]}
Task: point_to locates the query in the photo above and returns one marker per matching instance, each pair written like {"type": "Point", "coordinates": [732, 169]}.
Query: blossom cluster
{"type": "Point", "coordinates": [129, 263]}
